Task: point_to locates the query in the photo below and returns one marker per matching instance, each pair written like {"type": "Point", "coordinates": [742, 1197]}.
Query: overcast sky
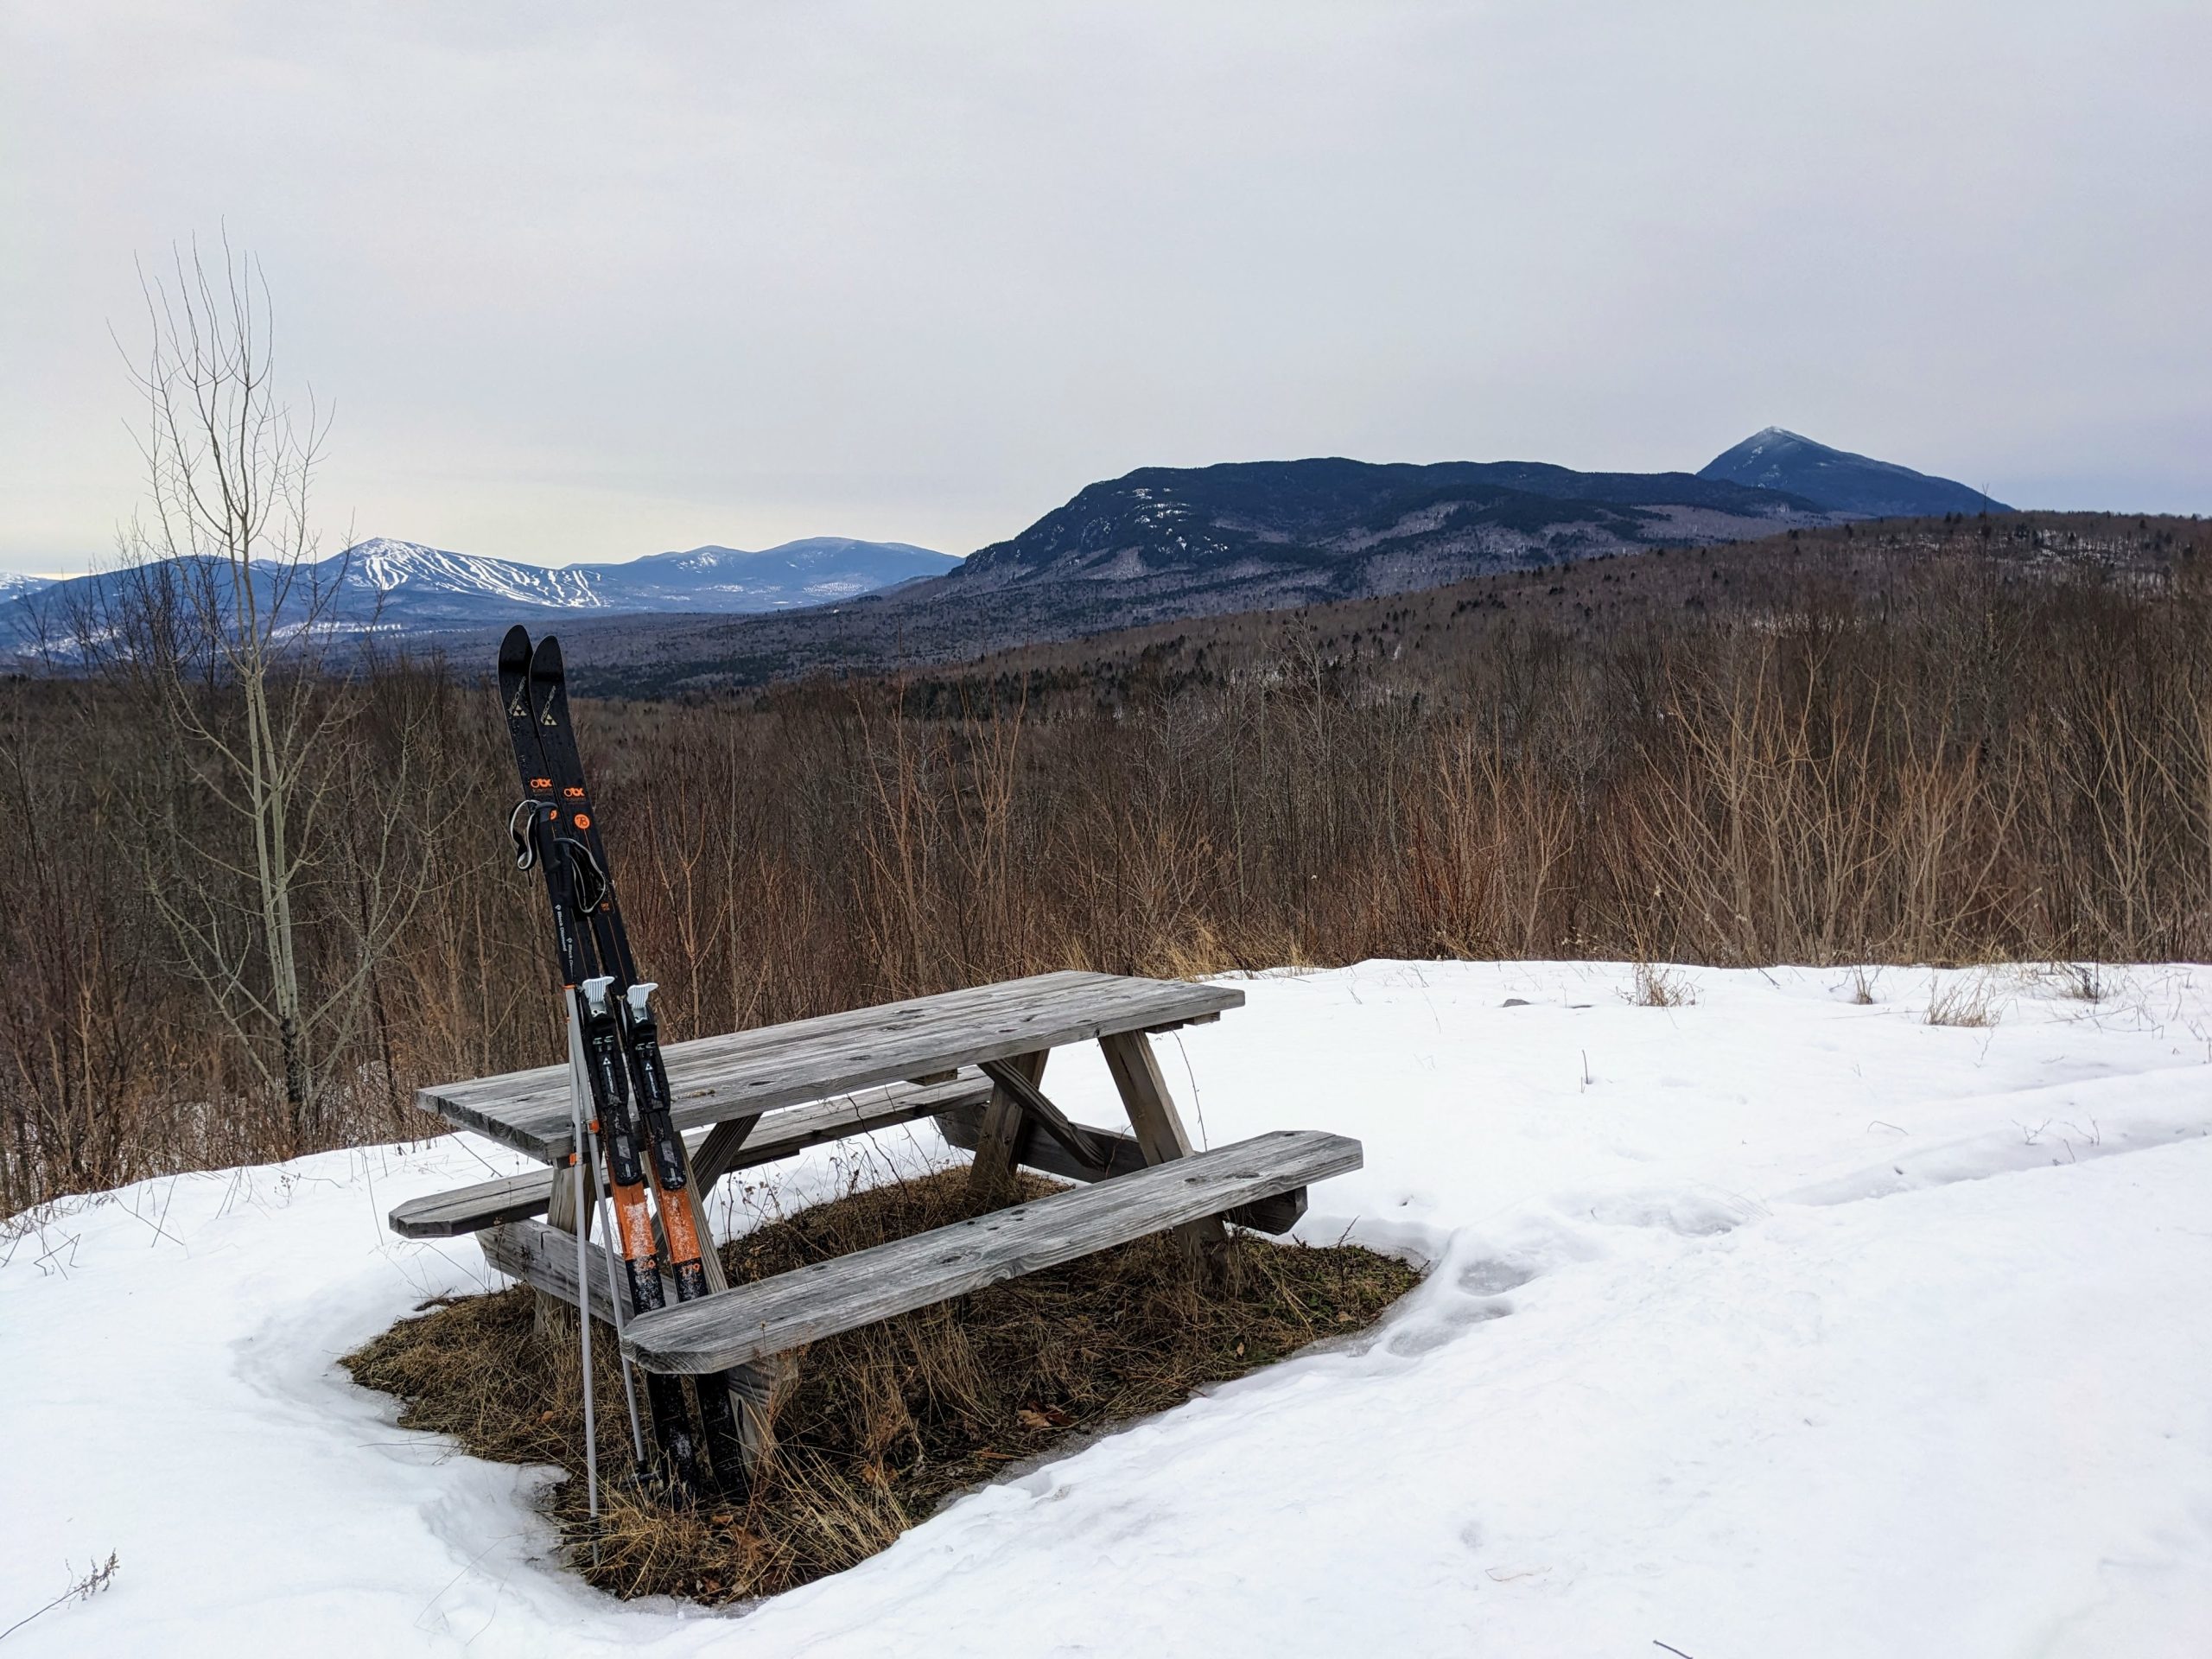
{"type": "Point", "coordinates": [586, 280]}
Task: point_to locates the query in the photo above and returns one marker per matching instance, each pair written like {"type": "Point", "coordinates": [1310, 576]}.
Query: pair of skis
{"type": "Point", "coordinates": [614, 1043]}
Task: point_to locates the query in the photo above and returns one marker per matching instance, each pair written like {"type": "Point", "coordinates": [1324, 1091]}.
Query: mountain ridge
{"type": "Point", "coordinates": [386, 583]}
{"type": "Point", "coordinates": [1327, 527]}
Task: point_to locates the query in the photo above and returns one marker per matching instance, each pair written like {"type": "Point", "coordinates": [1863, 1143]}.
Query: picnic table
{"type": "Point", "coordinates": [973, 1061]}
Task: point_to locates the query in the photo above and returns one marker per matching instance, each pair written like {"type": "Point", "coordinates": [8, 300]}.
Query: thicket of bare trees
{"type": "Point", "coordinates": [1988, 762]}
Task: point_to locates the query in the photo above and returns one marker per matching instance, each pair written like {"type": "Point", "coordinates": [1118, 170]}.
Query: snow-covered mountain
{"type": "Point", "coordinates": [1775, 459]}
{"type": "Point", "coordinates": [13, 584]}
{"type": "Point", "coordinates": [409, 585]}
{"type": "Point", "coordinates": [819, 570]}
{"type": "Point", "coordinates": [409, 573]}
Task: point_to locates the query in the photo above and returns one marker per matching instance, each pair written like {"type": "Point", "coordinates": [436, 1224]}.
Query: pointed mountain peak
{"type": "Point", "coordinates": [1775, 458]}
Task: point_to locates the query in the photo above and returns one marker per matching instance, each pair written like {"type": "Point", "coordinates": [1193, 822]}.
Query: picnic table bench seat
{"type": "Point", "coordinates": [770, 1316]}
{"type": "Point", "coordinates": [753, 1321]}
{"type": "Point", "coordinates": [961, 1123]}
{"type": "Point", "coordinates": [780, 1134]}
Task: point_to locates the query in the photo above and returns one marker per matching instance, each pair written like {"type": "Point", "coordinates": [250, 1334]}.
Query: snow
{"type": "Point", "coordinates": [1774, 1324]}
{"type": "Point", "coordinates": [702, 576]}
{"type": "Point", "coordinates": [387, 566]}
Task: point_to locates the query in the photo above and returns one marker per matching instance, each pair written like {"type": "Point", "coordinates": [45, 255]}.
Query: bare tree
{"type": "Point", "coordinates": [226, 625]}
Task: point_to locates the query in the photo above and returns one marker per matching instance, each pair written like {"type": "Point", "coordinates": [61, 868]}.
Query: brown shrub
{"type": "Point", "coordinates": [1948, 744]}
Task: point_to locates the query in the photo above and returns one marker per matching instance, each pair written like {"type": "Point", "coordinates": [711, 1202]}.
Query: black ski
{"type": "Point", "coordinates": [547, 835]}
{"type": "Point", "coordinates": [628, 1007]}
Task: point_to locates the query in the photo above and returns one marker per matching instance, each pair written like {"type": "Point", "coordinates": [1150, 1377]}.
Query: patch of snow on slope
{"type": "Point", "coordinates": [1685, 1368]}
{"type": "Point", "coordinates": [389, 566]}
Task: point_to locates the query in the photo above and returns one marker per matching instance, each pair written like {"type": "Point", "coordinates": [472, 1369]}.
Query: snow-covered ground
{"type": "Point", "coordinates": [1773, 1325]}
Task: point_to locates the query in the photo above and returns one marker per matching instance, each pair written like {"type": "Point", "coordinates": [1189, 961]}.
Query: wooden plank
{"type": "Point", "coordinates": [1018, 1086]}
{"type": "Point", "coordinates": [713, 1078]}
{"type": "Point", "coordinates": [717, 1155]}
{"type": "Point", "coordinates": [471, 1209]}
{"type": "Point", "coordinates": [1152, 1111]}
{"type": "Point", "coordinates": [544, 1258]}
{"type": "Point", "coordinates": [814, 1057]}
{"type": "Point", "coordinates": [754, 1390]}
{"type": "Point", "coordinates": [571, 1204]}
{"type": "Point", "coordinates": [1007, 1131]}
{"type": "Point", "coordinates": [963, 1127]}
{"type": "Point", "coordinates": [781, 1134]}
{"type": "Point", "coordinates": [778, 1314]}
{"type": "Point", "coordinates": [1276, 1215]}
{"type": "Point", "coordinates": [548, 1318]}
{"type": "Point", "coordinates": [1158, 1125]}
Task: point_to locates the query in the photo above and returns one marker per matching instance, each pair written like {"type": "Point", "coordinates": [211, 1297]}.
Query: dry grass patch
{"type": "Point", "coordinates": [1968, 1002]}
{"type": "Point", "coordinates": [1657, 986]}
{"type": "Point", "coordinates": [885, 1422]}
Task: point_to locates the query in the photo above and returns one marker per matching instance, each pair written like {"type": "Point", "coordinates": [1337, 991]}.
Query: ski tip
{"type": "Point", "coordinates": [514, 650]}
{"type": "Point", "coordinates": [545, 661]}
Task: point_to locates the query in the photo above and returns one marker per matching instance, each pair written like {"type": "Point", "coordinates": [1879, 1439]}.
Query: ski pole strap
{"type": "Point", "coordinates": [587, 872]}
{"type": "Point", "coordinates": [521, 824]}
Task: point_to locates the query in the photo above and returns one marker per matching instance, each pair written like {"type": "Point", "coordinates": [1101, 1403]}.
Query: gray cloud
{"type": "Point", "coordinates": [583, 285]}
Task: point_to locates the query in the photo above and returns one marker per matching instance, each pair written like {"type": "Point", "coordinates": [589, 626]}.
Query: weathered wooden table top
{"type": "Point", "coordinates": [713, 1078]}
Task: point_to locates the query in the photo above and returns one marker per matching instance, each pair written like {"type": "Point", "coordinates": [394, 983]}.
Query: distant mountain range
{"type": "Point", "coordinates": [1157, 543]}
{"type": "Point", "coordinates": [1162, 544]}
{"type": "Point", "coordinates": [1841, 481]}
{"type": "Point", "coordinates": [411, 584]}
{"type": "Point", "coordinates": [408, 587]}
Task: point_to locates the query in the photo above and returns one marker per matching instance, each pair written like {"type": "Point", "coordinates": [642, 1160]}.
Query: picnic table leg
{"type": "Point", "coordinates": [1005, 1129]}
{"type": "Point", "coordinates": [755, 1390]}
{"type": "Point", "coordinates": [716, 1153]}
{"type": "Point", "coordinates": [1159, 1129]}
{"type": "Point", "coordinates": [553, 1318]}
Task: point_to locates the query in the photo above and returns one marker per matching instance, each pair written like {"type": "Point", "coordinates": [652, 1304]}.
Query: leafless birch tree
{"type": "Point", "coordinates": [264, 837]}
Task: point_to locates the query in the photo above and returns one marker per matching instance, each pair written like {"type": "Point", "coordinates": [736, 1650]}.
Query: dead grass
{"type": "Point", "coordinates": [884, 1423]}
{"type": "Point", "coordinates": [1970, 1003]}
{"type": "Point", "coordinates": [2084, 982]}
{"type": "Point", "coordinates": [1657, 986]}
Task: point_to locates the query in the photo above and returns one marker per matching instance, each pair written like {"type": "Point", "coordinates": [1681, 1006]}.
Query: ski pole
{"type": "Point", "coordinates": [583, 1266]}
{"type": "Point", "coordinates": [614, 1301]}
